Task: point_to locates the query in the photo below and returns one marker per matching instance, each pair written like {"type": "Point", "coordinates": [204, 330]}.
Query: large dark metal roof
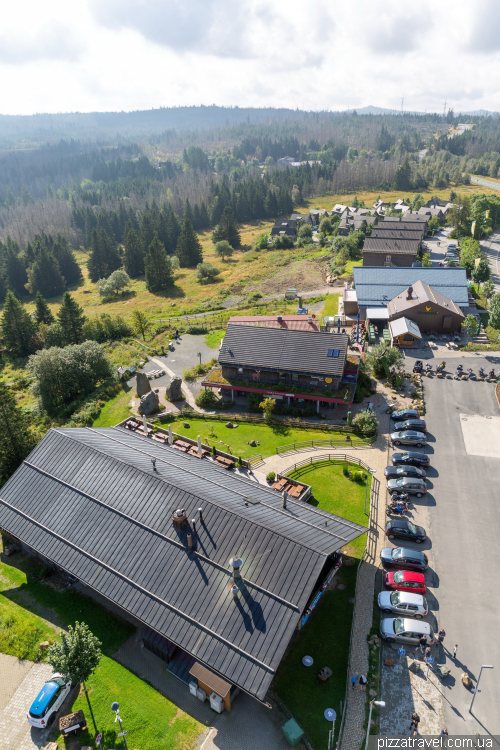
{"type": "Point", "coordinates": [394, 233]}
{"type": "Point", "coordinates": [90, 501]}
{"type": "Point", "coordinates": [299, 351]}
{"type": "Point", "coordinates": [397, 246]}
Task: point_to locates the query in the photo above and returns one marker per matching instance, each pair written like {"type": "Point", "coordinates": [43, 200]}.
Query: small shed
{"type": "Point", "coordinates": [404, 332]}
{"type": "Point", "coordinates": [212, 683]}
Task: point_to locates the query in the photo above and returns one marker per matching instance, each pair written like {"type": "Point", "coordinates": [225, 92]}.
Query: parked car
{"type": "Point", "coordinates": [403, 603]}
{"type": "Point", "coordinates": [411, 485]}
{"type": "Point", "coordinates": [403, 630]}
{"type": "Point", "coordinates": [405, 414]}
{"type": "Point", "coordinates": [410, 458]}
{"type": "Point", "coordinates": [452, 246]}
{"type": "Point", "coordinates": [48, 701]}
{"type": "Point", "coordinates": [408, 437]}
{"type": "Point", "coordinates": [394, 472]}
{"type": "Point", "coordinates": [451, 254]}
{"type": "Point", "coordinates": [411, 424]}
{"type": "Point", "coordinates": [406, 529]}
{"type": "Point", "coordinates": [451, 262]}
{"type": "Point", "coordinates": [417, 367]}
{"type": "Point", "coordinates": [404, 558]}
{"type": "Point", "coordinates": [405, 580]}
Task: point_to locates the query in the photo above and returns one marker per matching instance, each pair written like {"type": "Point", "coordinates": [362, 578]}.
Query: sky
{"type": "Point", "coordinates": [114, 55]}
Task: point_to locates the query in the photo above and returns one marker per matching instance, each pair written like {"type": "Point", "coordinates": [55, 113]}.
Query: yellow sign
{"type": "Point", "coordinates": [477, 261]}
{"type": "Point", "coordinates": [428, 308]}
{"type": "Point", "coordinates": [328, 380]}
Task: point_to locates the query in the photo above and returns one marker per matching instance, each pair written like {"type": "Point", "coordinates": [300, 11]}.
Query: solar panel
{"type": "Point", "coordinates": [333, 352]}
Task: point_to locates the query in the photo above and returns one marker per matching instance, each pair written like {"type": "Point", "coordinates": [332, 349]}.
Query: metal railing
{"type": "Point", "coordinates": [336, 458]}
{"type": "Point", "coordinates": [302, 445]}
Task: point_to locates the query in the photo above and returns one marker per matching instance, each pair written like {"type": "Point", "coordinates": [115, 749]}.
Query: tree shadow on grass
{"type": "Point", "coordinates": [280, 429]}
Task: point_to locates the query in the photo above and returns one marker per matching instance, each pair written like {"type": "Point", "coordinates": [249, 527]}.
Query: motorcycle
{"type": "Point", "coordinates": [428, 367]}
{"type": "Point", "coordinates": [469, 372]}
{"type": "Point", "coordinates": [481, 372]}
{"type": "Point", "coordinates": [440, 368]}
{"type": "Point", "coordinates": [400, 497]}
{"type": "Point", "coordinates": [396, 510]}
{"type": "Point", "coordinates": [491, 373]}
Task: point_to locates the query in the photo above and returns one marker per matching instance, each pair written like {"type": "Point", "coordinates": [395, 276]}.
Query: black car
{"type": "Point", "coordinates": [411, 458]}
{"type": "Point", "coordinates": [417, 367]}
{"type": "Point", "coordinates": [406, 529]}
{"type": "Point", "coordinates": [403, 414]}
{"type": "Point", "coordinates": [411, 424]}
{"type": "Point", "coordinates": [404, 559]}
{"type": "Point", "coordinates": [402, 470]}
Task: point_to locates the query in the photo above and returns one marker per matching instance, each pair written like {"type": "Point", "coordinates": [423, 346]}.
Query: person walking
{"type": "Point", "coordinates": [422, 644]}
{"type": "Point", "coordinates": [455, 651]}
{"type": "Point", "coordinates": [444, 732]}
{"type": "Point", "coordinates": [354, 679]}
{"type": "Point", "coordinates": [415, 721]}
{"type": "Point", "coordinates": [427, 653]}
{"type": "Point", "coordinates": [363, 681]}
{"type": "Point", "coordinates": [441, 635]}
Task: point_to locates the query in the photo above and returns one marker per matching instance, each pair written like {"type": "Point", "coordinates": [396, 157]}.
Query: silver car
{"type": "Point", "coordinates": [403, 603]}
{"type": "Point", "coordinates": [408, 437]}
{"type": "Point", "coordinates": [411, 485]}
{"type": "Point", "coordinates": [402, 630]}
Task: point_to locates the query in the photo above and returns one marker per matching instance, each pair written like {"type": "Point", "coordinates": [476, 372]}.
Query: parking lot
{"type": "Point", "coordinates": [460, 514]}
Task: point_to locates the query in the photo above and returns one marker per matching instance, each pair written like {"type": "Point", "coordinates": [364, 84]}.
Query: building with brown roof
{"type": "Point", "coordinates": [384, 251]}
{"type": "Point", "coordinates": [286, 322]}
{"type": "Point", "coordinates": [426, 307]}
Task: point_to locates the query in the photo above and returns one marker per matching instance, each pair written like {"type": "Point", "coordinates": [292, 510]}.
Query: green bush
{"type": "Point", "coordinates": [271, 476]}
{"type": "Point", "coordinates": [359, 477]}
{"type": "Point", "coordinates": [365, 421]}
{"type": "Point", "coordinates": [345, 470]}
{"type": "Point", "coordinates": [207, 399]}
{"type": "Point", "coordinates": [189, 375]}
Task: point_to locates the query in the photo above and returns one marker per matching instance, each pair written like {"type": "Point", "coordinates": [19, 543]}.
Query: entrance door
{"type": "Point", "coordinates": [447, 321]}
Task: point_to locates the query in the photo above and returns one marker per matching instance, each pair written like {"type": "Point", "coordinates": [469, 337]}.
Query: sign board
{"type": "Point", "coordinates": [121, 734]}
{"type": "Point", "coordinates": [430, 660]}
{"type": "Point", "coordinates": [401, 652]}
{"type": "Point", "coordinates": [477, 261]}
{"type": "Point", "coordinates": [98, 739]}
{"type": "Point", "coordinates": [475, 690]}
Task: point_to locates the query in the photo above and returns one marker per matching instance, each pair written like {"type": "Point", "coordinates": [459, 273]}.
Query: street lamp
{"type": "Point", "coordinates": [483, 666]}
{"type": "Point", "coordinates": [372, 703]}
{"type": "Point", "coordinates": [372, 472]}
{"type": "Point", "coordinates": [115, 706]}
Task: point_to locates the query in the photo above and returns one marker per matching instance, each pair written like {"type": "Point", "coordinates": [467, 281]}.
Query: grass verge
{"type": "Point", "coordinates": [326, 635]}
{"type": "Point", "coordinates": [114, 411]}
{"type": "Point", "coordinates": [213, 338]}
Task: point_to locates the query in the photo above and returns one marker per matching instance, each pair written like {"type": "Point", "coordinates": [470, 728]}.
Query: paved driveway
{"type": "Point", "coordinates": [464, 526]}
{"type": "Point", "coordinates": [20, 683]}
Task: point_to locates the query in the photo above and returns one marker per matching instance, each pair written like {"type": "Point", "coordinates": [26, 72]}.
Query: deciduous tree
{"type": "Point", "coordinates": [77, 655]}
{"type": "Point", "coordinates": [223, 249]}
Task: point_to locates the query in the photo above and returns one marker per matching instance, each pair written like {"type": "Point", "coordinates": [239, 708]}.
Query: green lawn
{"type": "Point", "coordinates": [151, 720]}
{"type": "Point", "coordinates": [349, 266]}
{"type": "Point", "coordinates": [333, 492]}
{"type": "Point", "coordinates": [213, 338]}
{"type": "Point", "coordinates": [326, 634]}
{"type": "Point", "coordinates": [331, 305]}
{"type": "Point", "coordinates": [325, 637]}
{"type": "Point", "coordinates": [114, 411]}
{"type": "Point", "coordinates": [269, 436]}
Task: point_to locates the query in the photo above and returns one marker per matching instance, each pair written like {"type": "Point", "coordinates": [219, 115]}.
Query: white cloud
{"type": "Point", "coordinates": [138, 54]}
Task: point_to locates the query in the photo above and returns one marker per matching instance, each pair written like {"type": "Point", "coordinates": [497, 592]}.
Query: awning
{"type": "Point", "coordinates": [377, 313]}
{"type": "Point", "coordinates": [403, 325]}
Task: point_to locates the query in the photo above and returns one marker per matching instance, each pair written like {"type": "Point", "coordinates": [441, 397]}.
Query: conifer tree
{"type": "Point", "coordinates": [104, 257]}
{"type": "Point", "coordinates": [204, 217]}
{"type": "Point", "coordinates": [13, 269]}
{"type": "Point", "coordinates": [16, 439]}
{"type": "Point", "coordinates": [17, 328]}
{"type": "Point", "coordinates": [133, 257]}
{"type": "Point", "coordinates": [71, 319]}
{"type": "Point", "coordinates": [68, 264]}
{"type": "Point", "coordinates": [173, 229]}
{"type": "Point", "coordinates": [226, 229]}
{"type": "Point", "coordinates": [158, 268]}
{"type": "Point", "coordinates": [147, 231]}
{"type": "Point", "coordinates": [189, 249]}
{"type": "Point", "coordinates": [188, 212]}
{"type": "Point", "coordinates": [44, 275]}
{"type": "Point", "coordinates": [43, 313]}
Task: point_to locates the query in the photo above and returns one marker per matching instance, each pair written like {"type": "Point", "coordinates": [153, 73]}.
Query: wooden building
{"type": "Point", "coordinates": [426, 307]}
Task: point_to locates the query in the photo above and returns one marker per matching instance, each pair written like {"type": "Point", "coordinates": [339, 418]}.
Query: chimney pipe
{"type": "Point", "coordinates": [236, 563]}
{"type": "Point", "coordinates": [193, 524]}
{"type": "Point", "coordinates": [234, 591]}
{"type": "Point", "coordinates": [190, 542]}
{"type": "Point", "coordinates": [200, 511]}
{"type": "Point", "coordinates": [300, 301]}
{"type": "Point", "coordinates": [153, 461]}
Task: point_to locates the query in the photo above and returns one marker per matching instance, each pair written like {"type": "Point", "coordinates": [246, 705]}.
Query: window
{"type": "Point", "coordinates": [333, 352]}
{"type": "Point", "coordinates": [388, 258]}
{"type": "Point", "coordinates": [295, 377]}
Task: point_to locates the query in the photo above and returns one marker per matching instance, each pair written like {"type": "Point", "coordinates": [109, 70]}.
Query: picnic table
{"type": "Point", "coordinates": [225, 462]}
{"type": "Point", "coordinates": [193, 451]}
{"type": "Point", "coordinates": [131, 425]}
{"type": "Point", "coordinates": [279, 484]}
{"type": "Point", "coordinates": [160, 438]}
{"type": "Point", "coordinates": [296, 491]}
{"type": "Point", "coordinates": [386, 335]}
{"type": "Point", "coordinates": [182, 446]}
{"type": "Point", "coordinates": [147, 431]}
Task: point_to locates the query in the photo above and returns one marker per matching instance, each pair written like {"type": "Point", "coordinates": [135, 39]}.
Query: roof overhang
{"type": "Point", "coordinates": [377, 313]}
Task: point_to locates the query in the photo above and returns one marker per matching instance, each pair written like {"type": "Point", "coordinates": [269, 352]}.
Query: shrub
{"type": "Point", "coordinates": [207, 399]}
{"type": "Point", "coordinates": [271, 476]}
{"type": "Point", "coordinates": [345, 470]}
{"type": "Point", "coordinates": [189, 375]}
{"type": "Point", "coordinates": [359, 477]}
{"type": "Point", "coordinates": [197, 330]}
{"type": "Point", "coordinates": [365, 421]}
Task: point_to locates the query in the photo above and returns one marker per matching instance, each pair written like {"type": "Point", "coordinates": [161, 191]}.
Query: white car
{"type": "Point", "coordinates": [403, 603]}
{"type": "Point", "coordinates": [48, 701]}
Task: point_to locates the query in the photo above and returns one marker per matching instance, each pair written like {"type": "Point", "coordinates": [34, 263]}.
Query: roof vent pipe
{"type": "Point", "coordinates": [190, 542]}
{"type": "Point", "coordinates": [234, 591]}
{"type": "Point", "coordinates": [200, 511]}
{"type": "Point", "coordinates": [280, 318]}
{"type": "Point", "coordinates": [236, 563]}
{"type": "Point", "coordinates": [193, 524]}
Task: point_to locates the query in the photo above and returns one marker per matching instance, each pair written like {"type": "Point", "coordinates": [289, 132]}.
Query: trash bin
{"type": "Point", "coordinates": [292, 732]}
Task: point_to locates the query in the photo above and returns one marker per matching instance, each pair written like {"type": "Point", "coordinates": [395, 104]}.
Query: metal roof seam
{"type": "Point", "coordinates": [277, 510]}
{"type": "Point", "coordinates": [179, 545]}
{"type": "Point", "coordinates": [133, 583]}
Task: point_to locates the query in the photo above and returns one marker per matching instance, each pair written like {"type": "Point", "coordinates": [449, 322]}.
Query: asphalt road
{"type": "Point", "coordinates": [487, 183]}
{"type": "Point", "coordinates": [463, 524]}
{"type": "Point", "coordinates": [491, 248]}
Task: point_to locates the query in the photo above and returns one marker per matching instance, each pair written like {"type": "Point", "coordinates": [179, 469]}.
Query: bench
{"type": "Point", "coordinates": [225, 462]}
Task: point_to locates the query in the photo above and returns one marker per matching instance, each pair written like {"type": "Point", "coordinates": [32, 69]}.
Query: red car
{"type": "Point", "coordinates": [405, 580]}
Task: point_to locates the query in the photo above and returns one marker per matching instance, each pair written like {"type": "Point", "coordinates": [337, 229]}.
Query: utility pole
{"type": "Point", "coordinates": [444, 108]}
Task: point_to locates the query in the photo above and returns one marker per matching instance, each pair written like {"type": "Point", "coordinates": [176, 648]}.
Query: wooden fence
{"type": "Point", "coordinates": [336, 458]}
{"type": "Point", "coordinates": [257, 419]}
{"type": "Point", "coordinates": [304, 444]}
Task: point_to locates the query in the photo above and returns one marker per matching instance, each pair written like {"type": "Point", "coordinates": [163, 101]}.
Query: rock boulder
{"type": "Point", "coordinates": [173, 390]}
{"type": "Point", "coordinates": [150, 403]}
{"type": "Point", "coordinates": [143, 386]}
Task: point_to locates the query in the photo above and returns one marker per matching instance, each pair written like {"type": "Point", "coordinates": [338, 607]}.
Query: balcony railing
{"type": "Point", "coordinates": [215, 377]}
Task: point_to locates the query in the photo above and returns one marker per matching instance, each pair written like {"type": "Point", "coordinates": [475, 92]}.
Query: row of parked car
{"type": "Point", "coordinates": [405, 568]}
